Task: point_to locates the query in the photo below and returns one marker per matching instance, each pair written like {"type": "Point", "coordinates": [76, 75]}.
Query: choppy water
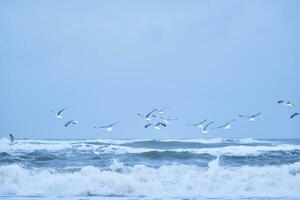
{"type": "Point", "coordinates": [150, 169]}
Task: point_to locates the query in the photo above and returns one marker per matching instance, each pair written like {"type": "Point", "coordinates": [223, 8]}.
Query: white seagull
{"type": "Point", "coordinates": [226, 126]}
{"type": "Point", "coordinates": [156, 126]}
{"type": "Point", "coordinates": [167, 120]}
{"type": "Point", "coordinates": [12, 139]}
{"type": "Point", "coordinates": [251, 118]}
{"type": "Point", "coordinates": [71, 122]}
{"type": "Point", "coordinates": [161, 111]}
{"type": "Point", "coordinates": [59, 113]}
{"type": "Point", "coordinates": [200, 124]}
{"type": "Point", "coordinates": [286, 103]}
{"type": "Point", "coordinates": [148, 116]}
{"type": "Point", "coordinates": [204, 130]}
{"type": "Point", "coordinates": [109, 127]}
{"type": "Point", "coordinates": [294, 115]}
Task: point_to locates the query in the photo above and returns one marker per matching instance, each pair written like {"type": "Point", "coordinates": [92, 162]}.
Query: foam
{"type": "Point", "coordinates": [165, 181]}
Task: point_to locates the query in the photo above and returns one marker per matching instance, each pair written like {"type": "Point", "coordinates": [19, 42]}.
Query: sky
{"type": "Point", "coordinates": [109, 60]}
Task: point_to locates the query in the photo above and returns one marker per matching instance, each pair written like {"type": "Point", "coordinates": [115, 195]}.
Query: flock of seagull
{"type": "Point", "coordinates": [156, 116]}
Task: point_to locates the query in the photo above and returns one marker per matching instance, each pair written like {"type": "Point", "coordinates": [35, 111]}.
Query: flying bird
{"type": "Point", "coordinates": [148, 116]}
{"type": "Point", "coordinates": [204, 130]}
{"type": "Point", "coordinates": [167, 120]}
{"type": "Point", "coordinates": [12, 139]}
{"type": "Point", "coordinates": [59, 113]}
{"type": "Point", "coordinates": [286, 103]}
{"type": "Point", "coordinates": [156, 126]}
{"type": "Point", "coordinates": [251, 118]}
{"type": "Point", "coordinates": [226, 126]}
{"type": "Point", "coordinates": [109, 127]}
{"type": "Point", "coordinates": [294, 115]}
{"type": "Point", "coordinates": [200, 124]}
{"type": "Point", "coordinates": [161, 111]}
{"type": "Point", "coordinates": [71, 122]}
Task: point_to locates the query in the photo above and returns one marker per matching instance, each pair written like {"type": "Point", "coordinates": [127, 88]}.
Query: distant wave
{"type": "Point", "coordinates": [55, 145]}
{"type": "Point", "coordinates": [165, 181]}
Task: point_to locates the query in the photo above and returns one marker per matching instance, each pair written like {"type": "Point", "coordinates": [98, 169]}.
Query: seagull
{"type": "Point", "coordinates": [109, 127]}
{"type": "Point", "coordinates": [71, 122]}
{"type": "Point", "coordinates": [148, 116]}
{"type": "Point", "coordinates": [226, 126]}
{"type": "Point", "coordinates": [59, 113]}
{"type": "Point", "coordinates": [200, 124]}
{"type": "Point", "coordinates": [294, 115]}
{"type": "Point", "coordinates": [157, 126]}
{"type": "Point", "coordinates": [251, 118]}
{"type": "Point", "coordinates": [286, 103]}
{"type": "Point", "coordinates": [12, 139]}
{"type": "Point", "coordinates": [167, 121]}
{"type": "Point", "coordinates": [161, 111]}
{"type": "Point", "coordinates": [204, 130]}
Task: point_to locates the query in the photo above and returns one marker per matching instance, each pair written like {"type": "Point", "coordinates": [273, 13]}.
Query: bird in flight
{"type": "Point", "coordinates": [161, 111]}
{"type": "Point", "coordinates": [109, 127]}
{"type": "Point", "coordinates": [251, 118]}
{"type": "Point", "coordinates": [71, 122]}
{"type": "Point", "coordinates": [156, 126]}
{"type": "Point", "coordinates": [167, 120]}
{"type": "Point", "coordinates": [59, 113]}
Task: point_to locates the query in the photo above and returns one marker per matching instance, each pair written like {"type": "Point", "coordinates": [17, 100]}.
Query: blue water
{"type": "Point", "coordinates": [150, 169]}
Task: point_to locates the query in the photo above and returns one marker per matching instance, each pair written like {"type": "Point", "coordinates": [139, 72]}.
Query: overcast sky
{"type": "Point", "coordinates": [109, 60]}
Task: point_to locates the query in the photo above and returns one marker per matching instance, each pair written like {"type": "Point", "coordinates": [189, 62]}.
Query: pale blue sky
{"type": "Point", "coordinates": [108, 60]}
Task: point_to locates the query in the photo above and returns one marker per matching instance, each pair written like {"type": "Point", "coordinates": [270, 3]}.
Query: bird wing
{"type": "Point", "coordinates": [198, 124]}
{"type": "Point", "coordinates": [208, 125]}
{"type": "Point", "coordinates": [68, 123]}
{"type": "Point", "coordinates": [12, 138]}
{"type": "Point", "coordinates": [61, 111]}
{"type": "Point", "coordinates": [225, 124]}
{"type": "Point", "coordinates": [147, 125]}
{"type": "Point", "coordinates": [294, 115]}
{"type": "Point", "coordinates": [256, 115]}
{"type": "Point", "coordinates": [161, 124]}
{"type": "Point", "coordinates": [280, 101]}
{"type": "Point", "coordinates": [140, 115]}
{"type": "Point", "coordinates": [113, 124]}
{"type": "Point", "coordinates": [221, 126]}
{"type": "Point", "coordinates": [150, 113]}
{"type": "Point", "coordinates": [246, 116]}
{"type": "Point", "coordinates": [202, 122]}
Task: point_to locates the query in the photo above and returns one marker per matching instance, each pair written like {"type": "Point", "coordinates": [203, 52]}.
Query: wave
{"type": "Point", "coordinates": [144, 147]}
{"type": "Point", "coordinates": [165, 181]}
{"type": "Point", "coordinates": [214, 151]}
{"type": "Point", "coordinates": [52, 145]}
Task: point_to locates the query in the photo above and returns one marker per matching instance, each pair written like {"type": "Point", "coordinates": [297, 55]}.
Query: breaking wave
{"type": "Point", "coordinates": [165, 181]}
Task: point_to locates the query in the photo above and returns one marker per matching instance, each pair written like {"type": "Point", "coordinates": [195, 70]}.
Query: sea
{"type": "Point", "coordinates": [190, 169]}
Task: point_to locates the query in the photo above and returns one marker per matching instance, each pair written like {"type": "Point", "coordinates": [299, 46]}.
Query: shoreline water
{"type": "Point", "coordinates": [150, 169]}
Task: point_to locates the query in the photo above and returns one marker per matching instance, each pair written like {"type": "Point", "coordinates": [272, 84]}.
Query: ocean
{"type": "Point", "coordinates": [198, 169]}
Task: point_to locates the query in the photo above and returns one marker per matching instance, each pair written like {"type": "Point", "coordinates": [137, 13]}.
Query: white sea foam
{"type": "Point", "coordinates": [165, 181]}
